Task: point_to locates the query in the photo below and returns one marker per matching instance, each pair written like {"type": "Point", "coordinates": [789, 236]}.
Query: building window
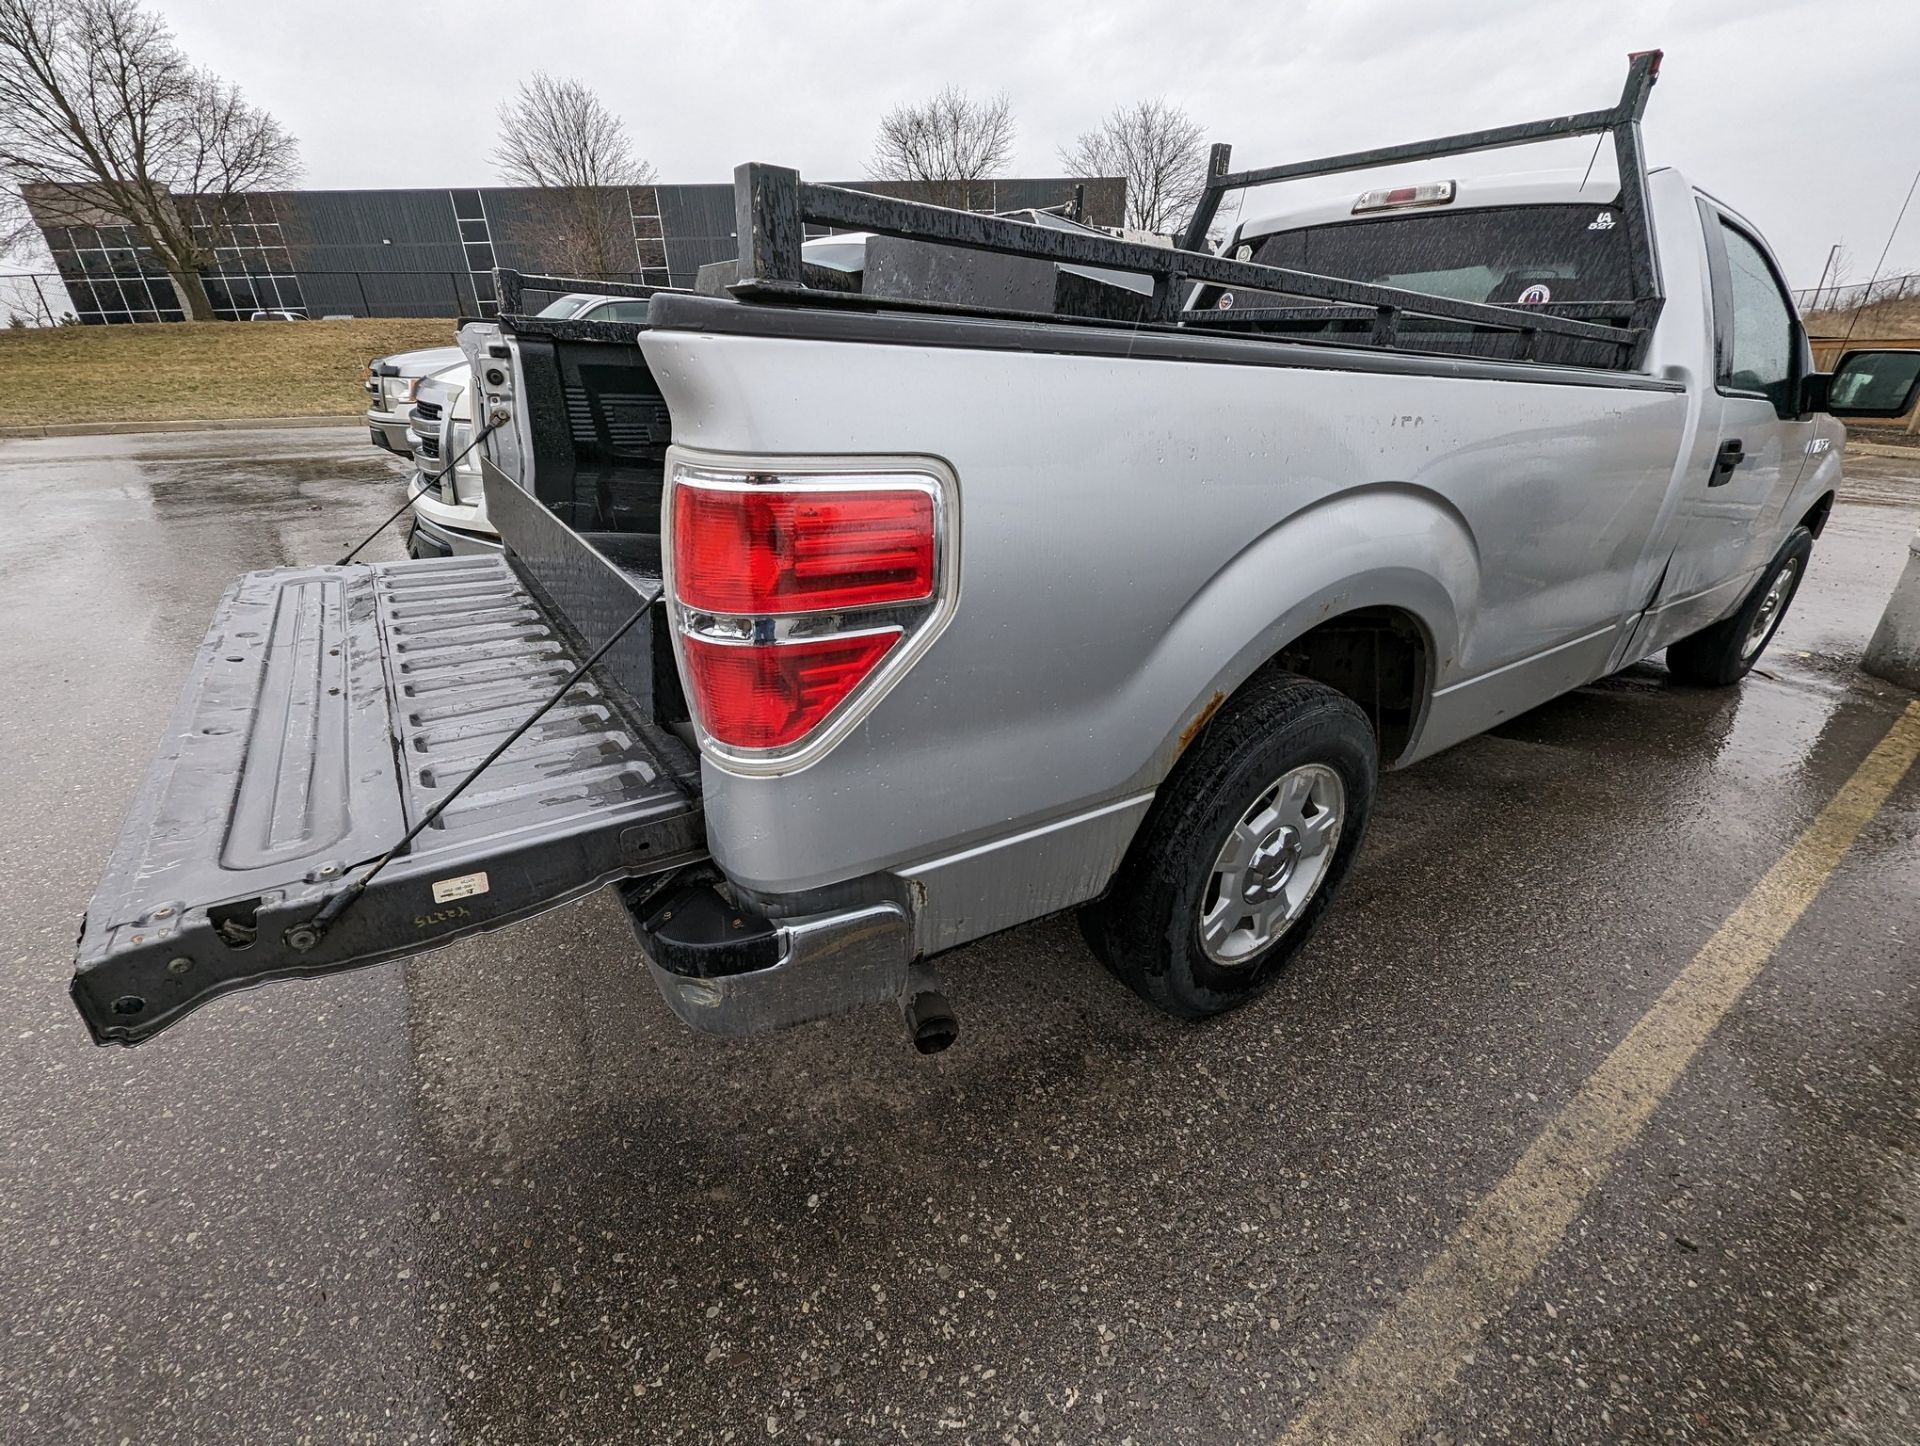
{"type": "Point", "coordinates": [252, 270]}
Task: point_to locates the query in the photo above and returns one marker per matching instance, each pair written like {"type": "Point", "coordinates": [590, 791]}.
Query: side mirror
{"type": "Point", "coordinates": [1873, 384]}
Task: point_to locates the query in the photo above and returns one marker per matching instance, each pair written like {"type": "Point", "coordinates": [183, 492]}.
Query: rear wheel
{"type": "Point", "coordinates": [1727, 651]}
{"type": "Point", "coordinates": [1241, 854]}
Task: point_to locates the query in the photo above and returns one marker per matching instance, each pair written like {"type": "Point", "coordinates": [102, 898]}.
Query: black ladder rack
{"type": "Point", "coordinates": [774, 207]}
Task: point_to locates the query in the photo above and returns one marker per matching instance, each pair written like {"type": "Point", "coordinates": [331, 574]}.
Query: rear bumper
{"type": "Point", "coordinates": [723, 970]}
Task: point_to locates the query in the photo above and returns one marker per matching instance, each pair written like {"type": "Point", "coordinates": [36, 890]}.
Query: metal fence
{"type": "Point", "coordinates": [1856, 296]}
{"type": "Point", "coordinates": [32, 299]}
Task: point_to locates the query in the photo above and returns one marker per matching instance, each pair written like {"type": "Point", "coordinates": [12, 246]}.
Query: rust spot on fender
{"type": "Point", "coordinates": [1192, 730]}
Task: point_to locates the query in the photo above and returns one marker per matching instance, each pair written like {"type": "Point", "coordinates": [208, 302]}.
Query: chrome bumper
{"type": "Point", "coordinates": [450, 541]}
{"type": "Point", "coordinates": [389, 430]}
{"type": "Point", "coordinates": [821, 965]}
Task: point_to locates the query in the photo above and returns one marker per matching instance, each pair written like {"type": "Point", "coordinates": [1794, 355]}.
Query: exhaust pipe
{"type": "Point", "coordinates": [931, 1025]}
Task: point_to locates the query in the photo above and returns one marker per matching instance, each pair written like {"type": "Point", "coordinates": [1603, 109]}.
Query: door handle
{"type": "Point", "coordinates": [1730, 456]}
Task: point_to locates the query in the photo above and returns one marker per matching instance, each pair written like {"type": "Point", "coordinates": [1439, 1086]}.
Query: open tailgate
{"type": "Point", "coordinates": [328, 710]}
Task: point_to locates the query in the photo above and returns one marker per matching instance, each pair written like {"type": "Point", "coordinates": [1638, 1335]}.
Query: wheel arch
{"type": "Point", "coordinates": [1815, 518]}
{"type": "Point", "coordinates": [1379, 656]}
{"type": "Point", "coordinates": [1380, 577]}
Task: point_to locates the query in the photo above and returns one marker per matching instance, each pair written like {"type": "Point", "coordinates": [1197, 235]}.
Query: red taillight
{"type": "Point", "coordinates": [758, 550]}
{"type": "Point", "coordinates": [770, 695]}
{"type": "Point", "coordinates": [852, 569]}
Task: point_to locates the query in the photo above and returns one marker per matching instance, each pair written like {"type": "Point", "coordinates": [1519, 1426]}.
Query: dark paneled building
{"type": "Point", "coordinates": [432, 252]}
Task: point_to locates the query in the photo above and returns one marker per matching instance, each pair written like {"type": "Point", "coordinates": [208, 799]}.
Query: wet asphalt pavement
{"type": "Point", "coordinates": [499, 1194]}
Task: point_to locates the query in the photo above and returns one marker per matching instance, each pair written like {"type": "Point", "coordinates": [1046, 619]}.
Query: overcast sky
{"type": "Point", "coordinates": [1805, 116]}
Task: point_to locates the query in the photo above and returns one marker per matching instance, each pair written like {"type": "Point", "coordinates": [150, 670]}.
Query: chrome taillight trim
{"type": "Point", "coordinates": [920, 622]}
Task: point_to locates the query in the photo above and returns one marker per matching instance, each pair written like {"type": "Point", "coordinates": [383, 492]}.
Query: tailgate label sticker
{"type": "Point", "coordinates": [464, 887]}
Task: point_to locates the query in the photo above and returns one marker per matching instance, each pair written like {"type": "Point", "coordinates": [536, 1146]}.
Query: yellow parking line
{"type": "Point", "coordinates": [1399, 1370]}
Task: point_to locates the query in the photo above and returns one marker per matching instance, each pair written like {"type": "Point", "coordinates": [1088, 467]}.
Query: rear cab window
{"type": "Point", "coordinates": [1505, 255]}
{"type": "Point", "coordinates": [1551, 256]}
{"type": "Point", "coordinates": [620, 311]}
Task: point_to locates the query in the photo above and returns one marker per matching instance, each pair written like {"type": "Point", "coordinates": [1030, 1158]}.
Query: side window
{"type": "Point", "coordinates": [1762, 356]}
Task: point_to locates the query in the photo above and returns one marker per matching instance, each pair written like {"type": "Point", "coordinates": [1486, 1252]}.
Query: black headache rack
{"type": "Point", "coordinates": [774, 208]}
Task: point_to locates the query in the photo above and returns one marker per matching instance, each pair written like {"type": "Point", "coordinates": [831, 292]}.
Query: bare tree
{"type": "Point", "coordinates": [104, 121]}
{"type": "Point", "coordinates": [947, 144]}
{"type": "Point", "coordinates": [558, 135]}
{"type": "Point", "coordinates": [20, 239]}
{"type": "Point", "coordinates": [1158, 149]}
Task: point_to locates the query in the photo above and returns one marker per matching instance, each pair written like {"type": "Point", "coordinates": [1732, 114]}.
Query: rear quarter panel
{"type": "Point", "coordinates": [1138, 536]}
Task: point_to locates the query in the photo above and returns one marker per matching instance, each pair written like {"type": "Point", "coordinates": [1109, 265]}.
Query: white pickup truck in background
{"type": "Point", "coordinates": [449, 514]}
{"type": "Point", "coordinates": [391, 384]}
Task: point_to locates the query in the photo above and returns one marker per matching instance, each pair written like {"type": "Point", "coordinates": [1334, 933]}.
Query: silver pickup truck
{"type": "Point", "coordinates": [841, 621]}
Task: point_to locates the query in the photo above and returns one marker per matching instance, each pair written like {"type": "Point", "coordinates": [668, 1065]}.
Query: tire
{"type": "Point", "coordinates": [1163, 926]}
{"type": "Point", "coordinates": [1726, 652]}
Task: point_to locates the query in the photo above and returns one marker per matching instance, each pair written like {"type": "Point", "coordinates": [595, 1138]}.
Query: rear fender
{"type": "Point", "coordinates": [1390, 545]}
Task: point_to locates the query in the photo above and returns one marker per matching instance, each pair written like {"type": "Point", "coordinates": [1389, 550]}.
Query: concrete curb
{"type": "Point", "coordinates": [1894, 651]}
{"type": "Point", "coordinates": [211, 424]}
{"type": "Point", "coordinates": [1881, 449]}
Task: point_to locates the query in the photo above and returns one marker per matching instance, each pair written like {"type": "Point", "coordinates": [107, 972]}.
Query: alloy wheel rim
{"type": "Point", "coordinates": [1771, 606]}
{"type": "Point", "coordinates": [1272, 864]}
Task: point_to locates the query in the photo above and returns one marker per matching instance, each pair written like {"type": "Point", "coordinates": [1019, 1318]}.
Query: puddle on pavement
{"type": "Point", "coordinates": [186, 490]}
